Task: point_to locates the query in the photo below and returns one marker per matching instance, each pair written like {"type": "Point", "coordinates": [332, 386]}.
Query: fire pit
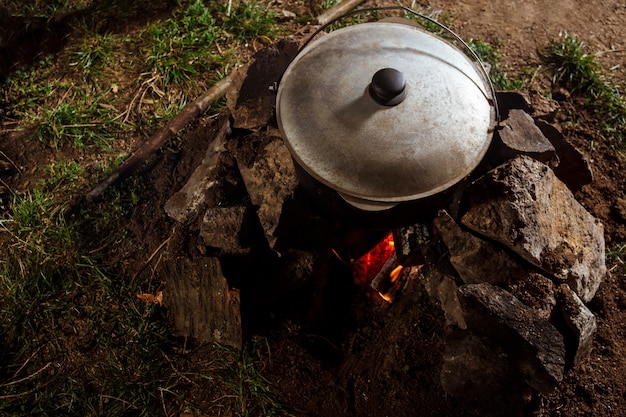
{"type": "Point", "coordinates": [509, 260]}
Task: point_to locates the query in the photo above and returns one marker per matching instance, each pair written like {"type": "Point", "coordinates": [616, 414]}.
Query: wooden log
{"type": "Point", "coordinates": [199, 302]}
{"type": "Point", "coordinates": [187, 114]}
{"type": "Point", "coordinates": [336, 11]}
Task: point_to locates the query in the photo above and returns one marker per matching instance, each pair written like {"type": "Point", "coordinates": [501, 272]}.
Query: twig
{"type": "Point", "coordinates": [11, 161]}
{"type": "Point", "coordinates": [127, 403]}
{"type": "Point", "coordinates": [145, 265]}
{"type": "Point", "coordinates": [187, 114]}
{"type": "Point", "coordinates": [26, 378]}
{"type": "Point", "coordinates": [609, 51]}
{"type": "Point", "coordinates": [336, 11]}
{"type": "Point", "coordinates": [11, 190]}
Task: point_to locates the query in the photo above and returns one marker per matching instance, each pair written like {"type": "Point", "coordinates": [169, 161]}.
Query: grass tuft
{"type": "Point", "coordinates": [499, 77]}
{"type": "Point", "coordinates": [95, 53]}
{"type": "Point", "coordinates": [247, 20]}
{"type": "Point", "coordinates": [579, 71]}
{"type": "Point", "coordinates": [243, 378]}
{"type": "Point", "coordinates": [179, 47]}
{"type": "Point", "coordinates": [617, 254]}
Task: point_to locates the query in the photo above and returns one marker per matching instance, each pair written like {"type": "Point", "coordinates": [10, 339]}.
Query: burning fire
{"type": "Point", "coordinates": [379, 269]}
{"type": "Point", "coordinates": [369, 265]}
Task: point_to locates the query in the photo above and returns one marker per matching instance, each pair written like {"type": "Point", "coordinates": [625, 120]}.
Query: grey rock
{"type": "Point", "coordinates": [519, 135]}
{"type": "Point", "coordinates": [200, 303]}
{"type": "Point", "coordinates": [533, 344]}
{"type": "Point", "coordinates": [524, 206]}
{"type": "Point", "coordinates": [253, 99]}
{"type": "Point", "coordinates": [481, 377]}
{"type": "Point", "coordinates": [444, 290]}
{"type": "Point", "coordinates": [410, 243]}
{"type": "Point", "coordinates": [192, 197]}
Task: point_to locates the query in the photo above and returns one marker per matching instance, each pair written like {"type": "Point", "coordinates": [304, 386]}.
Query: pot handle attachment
{"type": "Point", "coordinates": [483, 70]}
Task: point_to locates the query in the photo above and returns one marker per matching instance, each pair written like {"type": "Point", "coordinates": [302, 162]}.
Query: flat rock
{"type": "Point", "coordinates": [444, 290]}
{"type": "Point", "coordinates": [524, 206]}
{"type": "Point", "coordinates": [534, 345]}
{"type": "Point", "coordinates": [188, 200]}
{"type": "Point", "coordinates": [481, 377]}
{"type": "Point", "coordinates": [520, 136]}
{"type": "Point", "coordinates": [410, 243]}
{"type": "Point", "coordinates": [581, 324]}
{"type": "Point", "coordinates": [269, 175]}
{"type": "Point", "coordinates": [253, 99]}
{"type": "Point", "coordinates": [509, 100]}
{"type": "Point", "coordinates": [530, 101]}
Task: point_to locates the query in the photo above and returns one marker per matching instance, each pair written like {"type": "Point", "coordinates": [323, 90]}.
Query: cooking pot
{"type": "Point", "coordinates": [386, 112]}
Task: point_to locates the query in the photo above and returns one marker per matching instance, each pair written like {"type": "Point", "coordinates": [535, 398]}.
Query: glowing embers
{"type": "Point", "coordinates": [369, 265]}
{"type": "Point", "coordinates": [379, 269]}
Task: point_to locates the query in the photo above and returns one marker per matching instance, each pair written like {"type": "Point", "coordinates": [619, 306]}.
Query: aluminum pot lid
{"type": "Point", "coordinates": [414, 129]}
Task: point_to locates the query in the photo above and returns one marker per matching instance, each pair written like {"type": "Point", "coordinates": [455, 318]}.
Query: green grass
{"type": "Point", "coordinates": [251, 391]}
{"type": "Point", "coordinates": [76, 339]}
{"type": "Point", "coordinates": [94, 54]}
{"type": "Point", "coordinates": [247, 20]}
{"type": "Point", "coordinates": [178, 57]}
{"type": "Point", "coordinates": [617, 254]}
{"type": "Point", "coordinates": [498, 74]}
{"type": "Point", "coordinates": [579, 70]}
{"type": "Point", "coordinates": [77, 123]}
{"type": "Point", "coordinates": [178, 49]}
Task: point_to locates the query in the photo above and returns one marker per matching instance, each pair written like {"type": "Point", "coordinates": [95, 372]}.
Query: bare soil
{"type": "Point", "coordinates": [355, 361]}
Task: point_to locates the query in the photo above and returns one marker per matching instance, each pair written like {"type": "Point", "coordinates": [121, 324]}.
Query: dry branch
{"type": "Point", "coordinates": [187, 114]}
{"type": "Point", "coordinates": [337, 11]}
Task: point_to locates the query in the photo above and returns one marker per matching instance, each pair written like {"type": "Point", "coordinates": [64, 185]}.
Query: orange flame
{"type": "Point", "coordinates": [385, 297]}
{"type": "Point", "coordinates": [395, 274]}
{"type": "Point", "coordinates": [369, 265]}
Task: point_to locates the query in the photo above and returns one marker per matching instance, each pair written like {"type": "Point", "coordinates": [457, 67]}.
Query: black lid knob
{"type": "Point", "coordinates": [388, 87]}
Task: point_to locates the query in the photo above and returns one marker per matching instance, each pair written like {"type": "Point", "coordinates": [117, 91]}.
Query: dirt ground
{"type": "Point", "coordinates": [363, 365]}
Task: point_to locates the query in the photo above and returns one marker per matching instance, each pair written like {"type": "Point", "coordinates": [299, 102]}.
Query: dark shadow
{"type": "Point", "coordinates": [26, 39]}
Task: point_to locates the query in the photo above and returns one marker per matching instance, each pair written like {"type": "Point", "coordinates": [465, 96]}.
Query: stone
{"type": "Point", "coordinates": [573, 168]}
{"type": "Point", "coordinates": [476, 260]}
{"type": "Point", "coordinates": [519, 135]}
{"type": "Point", "coordinates": [270, 179]}
{"type": "Point", "coordinates": [525, 207]}
{"type": "Point", "coordinates": [581, 325]}
{"type": "Point", "coordinates": [186, 202]}
{"type": "Point", "coordinates": [253, 100]}
{"type": "Point", "coordinates": [541, 106]}
{"type": "Point", "coordinates": [533, 344]}
{"type": "Point", "coordinates": [443, 289]}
